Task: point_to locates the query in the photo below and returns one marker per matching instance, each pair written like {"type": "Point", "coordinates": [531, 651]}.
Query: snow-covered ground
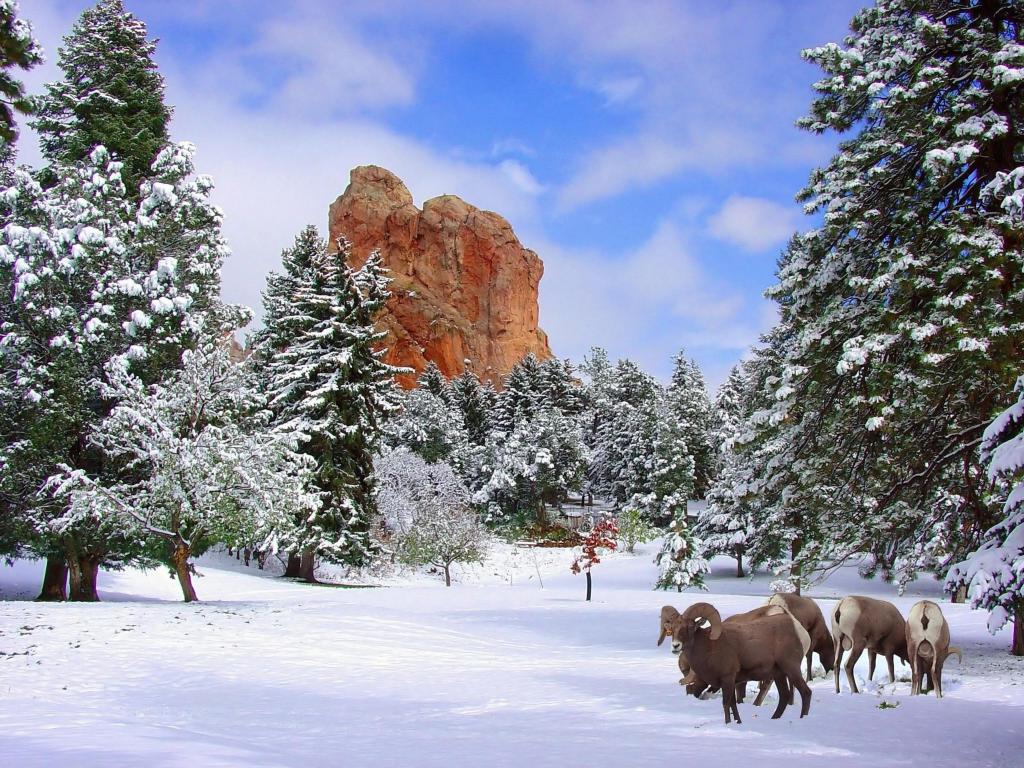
{"type": "Point", "coordinates": [495, 671]}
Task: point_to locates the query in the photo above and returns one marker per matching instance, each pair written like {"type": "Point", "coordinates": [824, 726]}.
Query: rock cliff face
{"type": "Point", "coordinates": [463, 286]}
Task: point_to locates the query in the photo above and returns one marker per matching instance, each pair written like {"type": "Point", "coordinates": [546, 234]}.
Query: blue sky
{"type": "Point", "coordinates": [646, 150]}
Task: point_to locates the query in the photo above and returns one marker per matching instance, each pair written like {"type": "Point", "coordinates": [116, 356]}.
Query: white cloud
{"type": "Point", "coordinates": [753, 223]}
{"type": "Point", "coordinates": [637, 161]}
{"type": "Point", "coordinates": [617, 90]}
{"type": "Point", "coordinates": [520, 175]}
{"type": "Point", "coordinates": [645, 304]}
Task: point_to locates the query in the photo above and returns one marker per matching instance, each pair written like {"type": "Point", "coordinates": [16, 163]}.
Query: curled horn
{"type": "Point", "coordinates": [709, 612]}
{"type": "Point", "coordinates": [954, 650]}
{"type": "Point", "coordinates": [668, 615]}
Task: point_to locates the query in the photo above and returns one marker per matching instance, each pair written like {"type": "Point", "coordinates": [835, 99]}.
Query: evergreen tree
{"type": "Point", "coordinates": [522, 395]}
{"type": "Point", "coordinates": [539, 462]}
{"type": "Point", "coordinates": [433, 381]}
{"type": "Point", "coordinates": [203, 466]}
{"type": "Point", "coordinates": [994, 574]}
{"type": "Point", "coordinates": [680, 562]}
{"type": "Point", "coordinates": [111, 94]}
{"type": "Point", "coordinates": [903, 310]}
{"type": "Point", "coordinates": [471, 400]}
{"type": "Point", "coordinates": [17, 49]}
{"type": "Point", "coordinates": [725, 526]}
{"type": "Point", "coordinates": [624, 437]}
{"type": "Point", "coordinates": [327, 382]}
{"type": "Point", "coordinates": [688, 404]}
{"type": "Point", "coordinates": [88, 281]}
{"type": "Point", "coordinates": [429, 427]}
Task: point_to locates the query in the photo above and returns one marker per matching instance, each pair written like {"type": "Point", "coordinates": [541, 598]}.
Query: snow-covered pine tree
{"type": "Point", "coordinates": [433, 381]}
{"type": "Point", "coordinates": [111, 94]}
{"type": "Point", "coordinates": [539, 462]}
{"type": "Point", "coordinates": [89, 281]}
{"type": "Point", "coordinates": [327, 382]}
{"type": "Point", "coordinates": [471, 401]}
{"type": "Point", "coordinates": [680, 561]}
{"type": "Point", "coordinates": [201, 464]}
{"type": "Point", "coordinates": [560, 388]}
{"type": "Point", "coordinates": [522, 394]}
{"type": "Point", "coordinates": [688, 404]}
{"type": "Point", "coordinates": [788, 515]}
{"type": "Point", "coordinates": [429, 427]}
{"type": "Point", "coordinates": [624, 432]}
{"type": "Point", "coordinates": [725, 526]}
{"type": "Point", "coordinates": [994, 574]}
{"type": "Point", "coordinates": [905, 305]}
{"type": "Point", "coordinates": [19, 49]}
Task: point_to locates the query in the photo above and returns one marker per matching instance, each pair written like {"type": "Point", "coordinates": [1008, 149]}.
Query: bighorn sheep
{"type": "Point", "coordinates": [928, 646]}
{"type": "Point", "coordinates": [694, 685]}
{"type": "Point", "coordinates": [723, 654]}
{"type": "Point", "coordinates": [860, 623]}
{"type": "Point", "coordinates": [807, 612]}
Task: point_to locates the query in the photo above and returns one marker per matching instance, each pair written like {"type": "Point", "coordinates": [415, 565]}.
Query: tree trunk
{"type": "Point", "coordinates": [179, 558]}
{"type": "Point", "coordinates": [447, 575]}
{"type": "Point", "coordinates": [588, 585]}
{"type": "Point", "coordinates": [84, 586]}
{"type": "Point", "coordinates": [307, 566]}
{"type": "Point", "coordinates": [292, 569]}
{"type": "Point", "coordinates": [960, 595]}
{"type": "Point", "coordinates": [55, 580]}
{"type": "Point", "coordinates": [1018, 631]}
{"type": "Point", "coordinates": [794, 568]}
{"type": "Point", "coordinates": [739, 565]}
{"type": "Point", "coordinates": [74, 576]}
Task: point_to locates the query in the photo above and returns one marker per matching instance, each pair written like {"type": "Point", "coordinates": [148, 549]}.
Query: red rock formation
{"type": "Point", "coordinates": [463, 286]}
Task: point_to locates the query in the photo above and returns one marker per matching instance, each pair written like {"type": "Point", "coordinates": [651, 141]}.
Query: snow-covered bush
{"type": "Point", "coordinates": [634, 528]}
{"type": "Point", "coordinates": [426, 512]}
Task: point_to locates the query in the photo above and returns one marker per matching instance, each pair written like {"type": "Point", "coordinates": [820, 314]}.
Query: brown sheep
{"type": "Point", "coordinates": [928, 646]}
{"type": "Point", "coordinates": [807, 612]}
{"type": "Point", "coordinates": [694, 685]}
{"type": "Point", "coordinates": [724, 655]}
{"type": "Point", "coordinates": [860, 623]}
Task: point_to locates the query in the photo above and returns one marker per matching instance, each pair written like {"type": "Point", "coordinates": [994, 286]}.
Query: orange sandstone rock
{"type": "Point", "coordinates": [463, 286]}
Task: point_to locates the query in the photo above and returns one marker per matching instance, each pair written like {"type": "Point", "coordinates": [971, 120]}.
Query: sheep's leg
{"type": "Point", "coordinates": [741, 692]}
{"type": "Point", "coordinates": [872, 657]}
{"type": "Point", "coordinates": [915, 675]}
{"type": "Point", "coordinates": [937, 676]}
{"type": "Point", "coordinates": [809, 663]}
{"type": "Point", "coordinates": [892, 667]}
{"type": "Point", "coordinates": [729, 700]}
{"type": "Point", "coordinates": [855, 652]}
{"type": "Point", "coordinates": [838, 660]}
{"type": "Point", "coordinates": [762, 692]}
{"type": "Point", "coordinates": [805, 692]}
{"type": "Point", "coordinates": [782, 688]}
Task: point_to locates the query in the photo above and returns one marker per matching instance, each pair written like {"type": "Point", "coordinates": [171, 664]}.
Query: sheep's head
{"type": "Point", "coordinates": [669, 615]}
{"type": "Point", "coordinates": [699, 617]}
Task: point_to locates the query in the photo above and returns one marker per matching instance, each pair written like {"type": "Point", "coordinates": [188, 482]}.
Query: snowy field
{"type": "Point", "coordinates": [495, 671]}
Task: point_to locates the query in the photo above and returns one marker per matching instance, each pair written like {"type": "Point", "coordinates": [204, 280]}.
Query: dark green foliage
{"type": "Point", "coordinates": [111, 95]}
{"type": "Point", "coordinates": [17, 49]}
